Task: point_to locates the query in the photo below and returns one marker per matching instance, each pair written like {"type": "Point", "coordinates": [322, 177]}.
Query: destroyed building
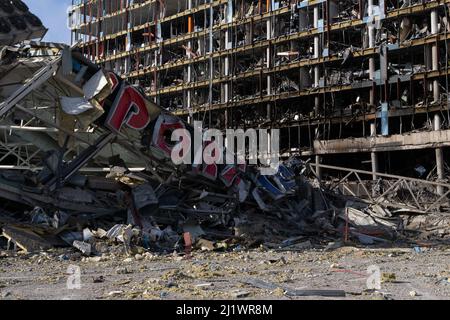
{"type": "Point", "coordinates": [85, 128]}
{"type": "Point", "coordinates": [355, 83]}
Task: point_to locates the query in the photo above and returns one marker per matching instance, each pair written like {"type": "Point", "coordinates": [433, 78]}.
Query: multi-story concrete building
{"type": "Point", "coordinates": [355, 83]}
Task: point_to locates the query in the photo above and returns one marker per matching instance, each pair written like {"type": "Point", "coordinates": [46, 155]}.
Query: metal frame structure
{"type": "Point", "coordinates": [320, 71]}
{"type": "Point", "coordinates": [30, 108]}
{"type": "Point", "coordinates": [404, 193]}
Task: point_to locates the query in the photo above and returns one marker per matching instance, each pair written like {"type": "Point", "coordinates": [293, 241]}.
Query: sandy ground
{"type": "Point", "coordinates": [215, 275]}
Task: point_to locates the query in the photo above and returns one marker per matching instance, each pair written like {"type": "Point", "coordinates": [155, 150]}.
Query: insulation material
{"type": "Point", "coordinates": [95, 85]}
{"type": "Point", "coordinates": [75, 106]}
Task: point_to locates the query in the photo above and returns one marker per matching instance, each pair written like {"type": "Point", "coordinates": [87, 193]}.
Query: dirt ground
{"type": "Point", "coordinates": [216, 275]}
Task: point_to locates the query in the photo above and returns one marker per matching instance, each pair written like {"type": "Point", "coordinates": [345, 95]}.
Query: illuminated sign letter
{"type": "Point", "coordinates": [129, 108]}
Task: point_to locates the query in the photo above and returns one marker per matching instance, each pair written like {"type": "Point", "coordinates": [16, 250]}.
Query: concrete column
{"type": "Point", "coordinates": [226, 86]}
{"type": "Point", "coordinates": [189, 74]}
{"type": "Point", "coordinates": [316, 84]}
{"type": "Point", "coordinates": [211, 51]}
{"type": "Point", "coordinates": [435, 55]}
{"type": "Point", "coordinates": [371, 33]}
{"type": "Point", "coordinates": [268, 65]}
{"type": "Point", "coordinates": [318, 158]}
{"type": "Point", "coordinates": [318, 168]}
{"type": "Point", "coordinates": [316, 38]}
{"type": "Point", "coordinates": [227, 69]}
{"type": "Point", "coordinates": [316, 55]}
{"type": "Point", "coordinates": [373, 154]}
{"type": "Point", "coordinates": [439, 156]}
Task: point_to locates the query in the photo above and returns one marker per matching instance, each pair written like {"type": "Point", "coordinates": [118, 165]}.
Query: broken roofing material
{"type": "Point", "coordinates": [17, 23]}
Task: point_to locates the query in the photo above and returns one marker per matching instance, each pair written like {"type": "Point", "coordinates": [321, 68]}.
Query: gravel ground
{"type": "Point", "coordinates": [215, 275]}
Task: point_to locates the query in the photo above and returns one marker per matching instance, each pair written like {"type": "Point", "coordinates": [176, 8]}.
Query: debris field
{"type": "Point", "coordinates": [88, 189]}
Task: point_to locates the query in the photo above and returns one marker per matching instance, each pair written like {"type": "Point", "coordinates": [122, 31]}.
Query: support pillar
{"type": "Point", "coordinates": [318, 168]}
{"type": "Point", "coordinates": [435, 56]}
{"type": "Point", "coordinates": [226, 62]}
{"type": "Point", "coordinates": [316, 55]}
{"type": "Point", "coordinates": [316, 84]}
{"type": "Point", "coordinates": [318, 157]}
{"type": "Point", "coordinates": [373, 154]}
{"type": "Point", "coordinates": [269, 61]}
{"type": "Point", "coordinates": [189, 67]}
{"type": "Point", "coordinates": [439, 157]}
{"type": "Point", "coordinates": [371, 33]}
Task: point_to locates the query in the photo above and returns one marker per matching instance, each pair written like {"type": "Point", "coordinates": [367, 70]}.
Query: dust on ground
{"type": "Point", "coordinates": [406, 274]}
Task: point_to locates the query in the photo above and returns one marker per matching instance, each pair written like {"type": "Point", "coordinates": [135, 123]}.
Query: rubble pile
{"type": "Point", "coordinates": [100, 173]}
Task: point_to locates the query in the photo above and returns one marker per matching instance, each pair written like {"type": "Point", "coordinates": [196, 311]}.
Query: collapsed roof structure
{"type": "Point", "coordinates": [80, 142]}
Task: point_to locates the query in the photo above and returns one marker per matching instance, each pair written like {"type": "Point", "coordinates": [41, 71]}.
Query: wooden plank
{"type": "Point", "coordinates": [26, 239]}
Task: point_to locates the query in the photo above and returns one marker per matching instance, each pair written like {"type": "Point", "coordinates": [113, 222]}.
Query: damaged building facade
{"type": "Point", "coordinates": [359, 84]}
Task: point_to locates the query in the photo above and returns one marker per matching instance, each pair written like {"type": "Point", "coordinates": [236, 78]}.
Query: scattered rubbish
{"type": "Point", "coordinates": [293, 292]}
{"type": "Point", "coordinates": [420, 249]}
{"type": "Point", "coordinates": [237, 294]}
{"type": "Point", "coordinates": [378, 295]}
{"type": "Point", "coordinates": [25, 238]}
{"type": "Point", "coordinates": [205, 245]}
{"type": "Point", "coordinates": [281, 260]}
{"type": "Point", "coordinates": [388, 277]}
{"type": "Point", "coordinates": [87, 234]}
{"type": "Point", "coordinates": [444, 281]}
{"type": "Point", "coordinates": [320, 293]}
{"type": "Point", "coordinates": [94, 259]}
{"type": "Point", "coordinates": [70, 236]}
{"type": "Point", "coordinates": [413, 294]}
{"type": "Point", "coordinates": [204, 285]}
{"type": "Point", "coordinates": [123, 282]}
{"type": "Point", "coordinates": [187, 243]}
{"type": "Point", "coordinates": [194, 230]}
{"type": "Point", "coordinates": [301, 246]}
{"type": "Point", "coordinates": [123, 270]}
{"type": "Point", "coordinates": [171, 284]}
{"type": "Point", "coordinates": [333, 246]}
{"type": "Point", "coordinates": [63, 257]}
{"type": "Point", "coordinates": [335, 266]}
{"type": "Point", "coordinates": [139, 257]}
{"type": "Point", "coordinates": [84, 247]}
{"type": "Point", "coordinates": [417, 249]}
{"type": "Point", "coordinates": [99, 279]}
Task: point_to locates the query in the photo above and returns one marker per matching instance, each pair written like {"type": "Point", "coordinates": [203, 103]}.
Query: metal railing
{"type": "Point", "coordinates": [399, 192]}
